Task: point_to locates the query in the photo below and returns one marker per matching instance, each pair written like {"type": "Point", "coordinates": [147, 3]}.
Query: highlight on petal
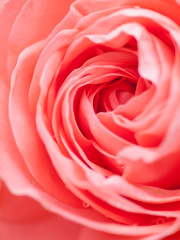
{"type": "Point", "coordinates": [34, 23]}
{"type": "Point", "coordinates": [8, 14]}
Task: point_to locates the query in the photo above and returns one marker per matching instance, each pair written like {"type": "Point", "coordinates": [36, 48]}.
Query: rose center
{"type": "Point", "coordinates": [117, 93]}
{"type": "Point", "coordinates": [113, 94]}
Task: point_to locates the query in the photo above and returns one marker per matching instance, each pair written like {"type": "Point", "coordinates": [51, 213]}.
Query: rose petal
{"type": "Point", "coordinates": [23, 218]}
{"type": "Point", "coordinates": [34, 17]}
{"type": "Point", "coordinates": [8, 13]}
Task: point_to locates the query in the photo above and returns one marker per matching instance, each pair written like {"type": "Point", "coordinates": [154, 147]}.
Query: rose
{"type": "Point", "coordinates": [80, 83]}
{"type": "Point", "coordinates": [90, 113]}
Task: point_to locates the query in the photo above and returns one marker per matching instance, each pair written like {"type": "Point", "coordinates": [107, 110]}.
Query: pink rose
{"type": "Point", "coordinates": [90, 119]}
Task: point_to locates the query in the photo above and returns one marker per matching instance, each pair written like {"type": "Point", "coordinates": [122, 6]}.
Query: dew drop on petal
{"type": "Point", "coordinates": [85, 204]}
{"type": "Point", "coordinates": [32, 182]}
{"type": "Point", "coordinates": [120, 166]}
{"type": "Point", "coordinates": [134, 224]}
{"type": "Point", "coordinates": [137, 7]}
{"type": "Point", "coordinates": [157, 221]}
{"type": "Point", "coordinates": [160, 220]}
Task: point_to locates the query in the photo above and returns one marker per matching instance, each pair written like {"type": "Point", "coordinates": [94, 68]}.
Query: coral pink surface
{"type": "Point", "coordinates": [89, 119]}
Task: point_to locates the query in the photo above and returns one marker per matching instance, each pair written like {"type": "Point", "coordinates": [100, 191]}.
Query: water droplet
{"type": "Point", "coordinates": [157, 221]}
{"type": "Point", "coordinates": [32, 182]}
{"type": "Point", "coordinates": [122, 167]}
{"type": "Point", "coordinates": [137, 7]}
{"type": "Point", "coordinates": [160, 220]}
{"type": "Point", "coordinates": [85, 204]}
{"type": "Point", "coordinates": [134, 224]}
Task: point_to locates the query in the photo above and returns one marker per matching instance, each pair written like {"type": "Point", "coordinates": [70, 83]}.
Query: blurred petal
{"type": "Point", "coordinates": [24, 219]}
